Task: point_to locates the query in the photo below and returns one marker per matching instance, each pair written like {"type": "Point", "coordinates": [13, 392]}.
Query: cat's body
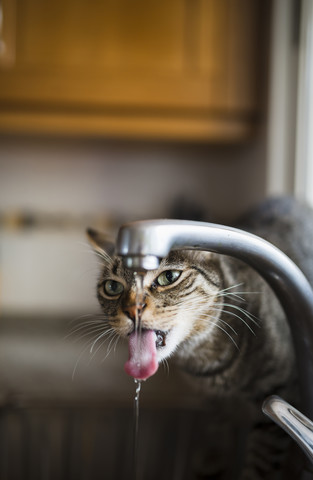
{"type": "Point", "coordinates": [222, 323]}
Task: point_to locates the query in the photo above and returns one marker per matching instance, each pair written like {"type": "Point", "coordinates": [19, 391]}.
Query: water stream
{"type": "Point", "coordinates": [139, 303]}
{"type": "Point", "coordinates": [136, 429]}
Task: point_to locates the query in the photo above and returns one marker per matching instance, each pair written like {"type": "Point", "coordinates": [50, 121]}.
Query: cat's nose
{"type": "Point", "coordinates": [133, 310]}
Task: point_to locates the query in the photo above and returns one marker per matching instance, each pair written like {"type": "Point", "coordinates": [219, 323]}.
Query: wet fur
{"type": "Point", "coordinates": [227, 330]}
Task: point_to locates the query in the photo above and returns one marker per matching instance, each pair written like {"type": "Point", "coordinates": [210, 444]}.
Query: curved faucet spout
{"type": "Point", "coordinates": [143, 243]}
{"type": "Point", "coordinates": [292, 421]}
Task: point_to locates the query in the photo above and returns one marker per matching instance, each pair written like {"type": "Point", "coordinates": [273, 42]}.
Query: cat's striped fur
{"type": "Point", "coordinates": [224, 326]}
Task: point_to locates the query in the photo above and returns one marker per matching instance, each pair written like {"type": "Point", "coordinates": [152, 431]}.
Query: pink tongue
{"type": "Point", "coordinates": [142, 362]}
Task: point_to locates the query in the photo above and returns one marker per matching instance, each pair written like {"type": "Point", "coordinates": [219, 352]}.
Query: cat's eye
{"type": "Point", "coordinates": [113, 288]}
{"type": "Point", "coordinates": [168, 277]}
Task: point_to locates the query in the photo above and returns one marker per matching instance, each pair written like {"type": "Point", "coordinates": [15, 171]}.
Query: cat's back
{"type": "Point", "coordinates": [288, 224]}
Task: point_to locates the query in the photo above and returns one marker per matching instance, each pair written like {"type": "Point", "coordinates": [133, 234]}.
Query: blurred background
{"type": "Point", "coordinates": [113, 111]}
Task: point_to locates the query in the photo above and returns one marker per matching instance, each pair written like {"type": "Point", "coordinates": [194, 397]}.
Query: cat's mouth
{"type": "Point", "coordinates": [160, 338]}
{"type": "Point", "coordinates": [143, 357]}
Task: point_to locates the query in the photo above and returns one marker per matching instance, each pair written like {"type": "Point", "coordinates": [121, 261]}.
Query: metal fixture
{"type": "Point", "coordinates": [143, 244]}
{"type": "Point", "coordinates": [299, 427]}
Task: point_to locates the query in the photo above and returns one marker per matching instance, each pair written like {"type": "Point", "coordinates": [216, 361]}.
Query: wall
{"type": "Point", "coordinates": [50, 269]}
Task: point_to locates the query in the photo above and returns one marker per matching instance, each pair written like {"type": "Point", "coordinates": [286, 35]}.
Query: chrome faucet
{"type": "Point", "coordinates": [143, 244]}
{"type": "Point", "coordinates": [299, 427]}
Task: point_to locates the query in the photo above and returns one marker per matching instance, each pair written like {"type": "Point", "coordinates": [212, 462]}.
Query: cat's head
{"type": "Point", "coordinates": [180, 302]}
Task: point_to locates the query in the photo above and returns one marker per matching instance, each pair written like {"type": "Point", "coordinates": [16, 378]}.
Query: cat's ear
{"type": "Point", "coordinates": [100, 242]}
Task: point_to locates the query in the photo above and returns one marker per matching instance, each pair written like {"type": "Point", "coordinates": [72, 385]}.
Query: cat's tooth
{"type": "Point", "coordinates": [161, 336]}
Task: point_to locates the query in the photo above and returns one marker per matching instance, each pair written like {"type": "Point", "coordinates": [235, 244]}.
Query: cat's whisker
{"type": "Point", "coordinates": [211, 317]}
{"type": "Point", "coordinates": [189, 304]}
{"type": "Point", "coordinates": [104, 256]}
{"type": "Point", "coordinates": [88, 334]}
{"type": "Point", "coordinates": [106, 260]}
{"type": "Point", "coordinates": [243, 292]}
{"type": "Point", "coordinates": [226, 291]}
{"type": "Point", "coordinates": [194, 303]}
{"type": "Point", "coordinates": [245, 312]}
{"type": "Point", "coordinates": [79, 359]}
{"type": "Point", "coordinates": [251, 317]}
{"type": "Point", "coordinates": [102, 335]}
{"type": "Point", "coordinates": [91, 332]}
{"type": "Point", "coordinates": [116, 342]}
{"type": "Point", "coordinates": [237, 297]}
{"type": "Point", "coordinates": [89, 317]}
{"type": "Point", "coordinates": [196, 299]}
{"type": "Point", "coordinates": [232, 287]}
{"type": "Point", "coordinates": [233, 314]}
{"type": "Point", "coordinates": [86, 324]}
{"type": "Point", "coordinates": [108, 333]}
{"type": "Point", "coordinates": [85, 330]}
{"type": "Point", "coordinates": [84, 316]}
{"type": "Point", "coordinates": [228, 334]}
{"type": "Point", "coordinates": [239, 292]}
{"type": "Point", "coordinates": [166, 365]}
{"type": "Point", "coordinates": [87, 249]}
{"type": "Point", "coordinates": [109, 347]}
{"type": "Point", "coordinates": [91, 322]}
{"type": "Point", "coordinates": [215, 324]}
{"type": "Point", "coordinates": [91, 345]}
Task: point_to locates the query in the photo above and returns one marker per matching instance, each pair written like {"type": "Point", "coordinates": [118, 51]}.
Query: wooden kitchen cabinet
{"type": "Point", "coordinates": [181, 69]}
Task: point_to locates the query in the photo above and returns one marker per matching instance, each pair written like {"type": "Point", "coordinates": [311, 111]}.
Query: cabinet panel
{"type": "Point", "coordinates": [7, 33]}
{"type": "Point", "coordinates": [101, 34]}
{"type": "Point", "coordinates": [244, 54]}
{"type": "Point", "coordinates": [189, 62]}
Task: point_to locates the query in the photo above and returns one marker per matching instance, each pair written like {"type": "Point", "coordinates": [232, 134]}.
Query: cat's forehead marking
{"type": "Point", "coordinates": [181, 258]}
{"type": "Point", "coordinates": [115, 266]}
{"type": "Point", "coordinates": [120, 270]}
{"type": "Point", "coordinates": [174, 258]}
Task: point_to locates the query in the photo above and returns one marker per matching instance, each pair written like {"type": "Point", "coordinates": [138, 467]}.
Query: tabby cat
{"type": "Point", "coordinates": [223, 325]}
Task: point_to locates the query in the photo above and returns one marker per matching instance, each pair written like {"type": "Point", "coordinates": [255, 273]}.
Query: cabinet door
{"type": "Point", "coordinates": [116, 65]}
